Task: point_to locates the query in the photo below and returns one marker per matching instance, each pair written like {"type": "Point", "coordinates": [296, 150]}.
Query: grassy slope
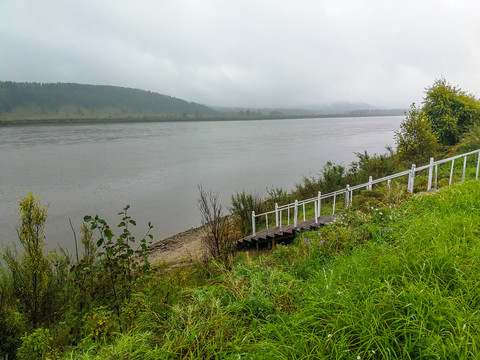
{"type": "Point", "coordinates": [383, 283]}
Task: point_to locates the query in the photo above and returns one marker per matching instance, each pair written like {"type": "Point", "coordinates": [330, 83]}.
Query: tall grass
{"type": "Point", "coordinates": [383, 281]}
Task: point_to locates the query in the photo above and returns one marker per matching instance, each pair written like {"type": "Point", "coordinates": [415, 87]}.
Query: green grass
{"type": "Point", "coordinates": [382, 282]}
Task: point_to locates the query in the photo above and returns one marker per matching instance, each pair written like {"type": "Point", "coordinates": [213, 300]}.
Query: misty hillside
{"type": "Point", "coordinates": [64, 100]}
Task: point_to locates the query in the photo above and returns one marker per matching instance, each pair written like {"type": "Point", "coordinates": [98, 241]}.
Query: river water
{"type": "Point", "coordinates": [156, 167]}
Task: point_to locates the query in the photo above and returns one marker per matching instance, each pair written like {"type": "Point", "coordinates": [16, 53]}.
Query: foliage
{"type": "Point", "coordinates": [242, 206]}
{"type": "Point", "coordinates": [31, 272]}
{"type": "Point", "coordinates": [35, 346]}
{"type": "Point", "coordinates": [333, 177]}
{"type": "Point", "coordinates": [368, 165]}
{"type": "Point", "coordinates": [470, 140]}
{"type": "Point", "coordinates": [12, 320]}
{"type": "Point", "coordinates": [450, 110]}
{"type": "Point", "coordinates": [217, 240]}
{"type": "Point", "coordinates": [99, 324]}
{"type": "Point", "coordinates": [116, 268]}
{"type": "Point", "coordinates": [416, 143]}
{"type": "Point", "coordinates": [277, 196]}
{"type": "Point", "coordinates": [52, 100]}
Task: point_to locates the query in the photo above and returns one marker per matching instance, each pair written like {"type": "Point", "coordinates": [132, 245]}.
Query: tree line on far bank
{"type": "Point", "coordinates": [79, 100]}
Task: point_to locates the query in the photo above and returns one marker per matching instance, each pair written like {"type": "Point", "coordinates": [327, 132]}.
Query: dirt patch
{"type": "Point", "coordinates": [185, 247]}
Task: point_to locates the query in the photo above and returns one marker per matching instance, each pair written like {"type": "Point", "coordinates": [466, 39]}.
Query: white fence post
{"type": "Point", "coordinates": [430, 175]}
{"type": "Point", "coordinates": [334, 200]}
{"type": "Point", "coordinates": [276, 214]}
{"type": "Point", "coordinates": [464, 168]}
{"type": "Point", "coordinates": [478, 165]}
{"type": "Point", "coordinates": [295, 214]}
{"type": "Point", "coordinates": [320, 200]}
{"type": "Point", "coordinates": [451, 172]}
{"type": "Point", "coordinates": [436, 176]}
{"type": "Point", "coordinates": [389, 182]}
{"type": "Point", "coordinates": [369, 186]}
{"type": "Point", "coordinates": [316, 211]}
{"type": "Point", "coordinates": [411, 179]}
{"type": "Point", "coordinates": [304, 211]}
{"type": "Point", "coordinates": [347, 196]}
{"type": "Point", "coordinates": [253, 224]}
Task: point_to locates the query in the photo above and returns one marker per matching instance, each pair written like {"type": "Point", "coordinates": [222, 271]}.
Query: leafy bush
{"type": "Point", "coordinates": [35, 346]}
{"type": "Point", "coordinates": [416, 142]}
{"type": "Point", "coordinates": [470, 140]}
{"type": "Point", "coordinates": [242, 206]}
{"type": "Point", "coordinates": [450, 111]}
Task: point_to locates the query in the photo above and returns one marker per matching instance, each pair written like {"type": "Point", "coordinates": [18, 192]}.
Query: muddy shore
{"type": "Point", "coordinates": [185, 247]}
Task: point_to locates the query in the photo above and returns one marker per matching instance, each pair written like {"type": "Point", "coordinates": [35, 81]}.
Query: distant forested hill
{"type": "Point", "coordinates": [64, 100]}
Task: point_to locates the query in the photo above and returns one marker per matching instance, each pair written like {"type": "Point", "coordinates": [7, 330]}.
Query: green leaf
{"type": "Point", "coordinates": [133, 222]}
{"type": "Point", "coordinates": [108, 233]}
{"type": "Point", "coordinates": [121, 224]}
{"type": "Point", "coordinates": [87, 218]}
{"type": "Point", "coordinates": [100, 242]}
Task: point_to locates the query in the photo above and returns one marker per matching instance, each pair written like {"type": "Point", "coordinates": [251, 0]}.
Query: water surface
{"type": "Point", "coordinates": [156, 167]}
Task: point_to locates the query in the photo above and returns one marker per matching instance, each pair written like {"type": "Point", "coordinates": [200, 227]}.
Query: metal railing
{"type": "Point", "coordinates": [348, 191]}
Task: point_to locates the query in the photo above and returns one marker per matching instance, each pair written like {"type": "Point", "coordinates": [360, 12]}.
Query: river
{"type": "Point", "coordinates": [156, 167]}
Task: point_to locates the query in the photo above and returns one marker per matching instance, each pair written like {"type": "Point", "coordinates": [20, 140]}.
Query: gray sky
{"type": "Point", "coordinates": [257, 53]}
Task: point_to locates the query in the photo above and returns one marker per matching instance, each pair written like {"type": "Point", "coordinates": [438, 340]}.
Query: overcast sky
{"type": "Point", "coordinates": [253, 53]}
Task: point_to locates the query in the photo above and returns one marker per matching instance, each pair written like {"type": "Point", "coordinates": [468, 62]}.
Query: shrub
{"type": "Point", "coordinates": [217, 241]}
{"type": "Point", "coordinates": [416, 142]}
{"type": "Point", "coordinates": [35, 346]}
{"type": "Point", "coordinates": [242, 206]}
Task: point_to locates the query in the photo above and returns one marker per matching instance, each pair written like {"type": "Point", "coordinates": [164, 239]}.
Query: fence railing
{"type": "Point", "coordinates": [292, 208]}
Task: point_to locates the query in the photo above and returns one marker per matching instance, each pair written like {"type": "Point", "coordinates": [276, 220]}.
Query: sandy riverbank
{"type": "Point", "coordinates": [184, 247]}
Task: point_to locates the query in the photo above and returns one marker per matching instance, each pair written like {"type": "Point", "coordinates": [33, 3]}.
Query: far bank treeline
{"type": "Point", "coordinates": [66, 100]}
{"type": "Point", "coordinates": [29, 103]}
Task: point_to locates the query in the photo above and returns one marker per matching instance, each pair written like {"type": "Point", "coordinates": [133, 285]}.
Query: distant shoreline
{"type": "Point", "coordinates": [68, 121]}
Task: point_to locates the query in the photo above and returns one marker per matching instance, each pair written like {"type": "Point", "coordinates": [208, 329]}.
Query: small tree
{"type": "Point", "coordinates": [31, 271]}
{"type": "Point", "coordinates": [416, 142]}
{"type": "Point", "coordinates": [117, 265]}
{"type": "Point", "coordinates": [216, 239]}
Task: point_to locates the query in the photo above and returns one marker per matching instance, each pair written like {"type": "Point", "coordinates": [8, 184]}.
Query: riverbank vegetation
{"type": "Point", "coordinates": [393, 277]}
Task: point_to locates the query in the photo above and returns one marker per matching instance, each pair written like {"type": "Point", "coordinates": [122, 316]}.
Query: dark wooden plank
{"type": "Point", "coordinates": [284, 231]}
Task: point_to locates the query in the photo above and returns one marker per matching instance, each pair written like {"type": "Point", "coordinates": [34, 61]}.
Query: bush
{"type": "Point", "coordinates": [242, 206]}
{"type": "Point", "coordinates": [216, 240]}
{"type": "Point", "coordinates": [470, 140]}
{"type": "Point", "coordinates": [35, 346]}
{"type": "Point", "coordinates": [450, 110]}
{"type": "Point", "coordinates": [416, 142]}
